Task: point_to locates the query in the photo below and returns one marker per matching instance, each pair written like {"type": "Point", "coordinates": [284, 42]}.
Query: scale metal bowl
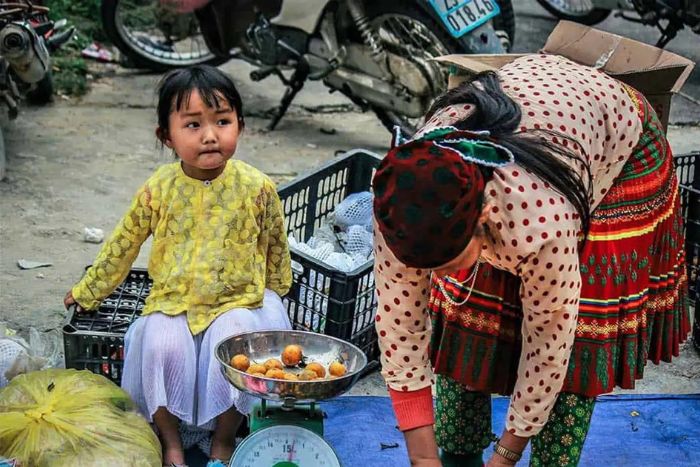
{"type": "Point", "coordinates": [259, 346]}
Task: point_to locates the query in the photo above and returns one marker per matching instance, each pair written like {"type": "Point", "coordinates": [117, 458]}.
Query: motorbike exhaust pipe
{"type": "Point", "coordinates": [24, 51]}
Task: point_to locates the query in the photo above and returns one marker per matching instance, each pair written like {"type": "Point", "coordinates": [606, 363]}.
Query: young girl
{"type": "Point", "coordinates": [219, 264]}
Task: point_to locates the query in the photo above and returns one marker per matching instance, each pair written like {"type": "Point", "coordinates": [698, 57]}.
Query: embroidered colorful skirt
{"type": "Point", "coordinates": [633, 305]}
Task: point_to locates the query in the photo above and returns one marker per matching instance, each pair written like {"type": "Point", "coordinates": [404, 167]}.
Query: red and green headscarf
{"type": "Point", "coordinates": [428, 193]}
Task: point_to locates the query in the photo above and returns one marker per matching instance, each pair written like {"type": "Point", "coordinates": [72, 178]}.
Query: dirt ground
{"type": "Point", "coordinates": [76, 164]}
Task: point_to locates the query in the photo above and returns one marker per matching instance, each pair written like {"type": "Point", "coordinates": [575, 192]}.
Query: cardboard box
{"type": "Point", "coordinates": [656, 73]}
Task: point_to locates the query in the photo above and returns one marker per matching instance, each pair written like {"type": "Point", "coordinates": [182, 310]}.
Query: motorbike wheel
{"type": "Point", "coordinates": [137, 29]}
{"type": "Point", "coordinates": [579, 11]}
{"type": "Point", "coordinates": [418, 33]}
{"type": "Point", "coordinates": [42, 92]}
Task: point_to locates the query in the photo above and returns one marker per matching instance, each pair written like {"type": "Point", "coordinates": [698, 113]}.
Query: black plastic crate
{"type": "Point", "coordinates": [323, 299]}
{"type": "Point", "coordinates": [688, 170]}
{"type": "Point", "coordinates": [95, 341]}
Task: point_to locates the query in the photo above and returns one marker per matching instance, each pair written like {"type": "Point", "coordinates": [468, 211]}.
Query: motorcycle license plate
{"type": "Point", "coordinates": [461, 16]}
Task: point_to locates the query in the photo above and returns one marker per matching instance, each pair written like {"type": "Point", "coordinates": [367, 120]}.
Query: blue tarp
{"type": "Point", "coordinates": [626, 430]}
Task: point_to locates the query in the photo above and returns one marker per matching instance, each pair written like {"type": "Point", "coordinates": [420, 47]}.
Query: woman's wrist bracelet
{"type": "Point", "coordinates": [506, 453]}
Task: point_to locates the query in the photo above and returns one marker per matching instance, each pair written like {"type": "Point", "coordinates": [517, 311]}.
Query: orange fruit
{"type": "Point", "coordinates": [307, 375]}
{"type": "Point", "coordinates": [240, 362]}
{"type": "Point", "coordinates": [291, 355]}
{"type": "Point", "coordinates": [337, 369]}
{"type": "Point", "coordinates": [256, 368]}
{"type": "Point", "coordinates": [271, 363]}
{"type": "Point", "coordinates": [317, 368]}
{"type": "Point", "coordinates": [290, 376]}
{"type": "Point", "coordinates": [275, 373]}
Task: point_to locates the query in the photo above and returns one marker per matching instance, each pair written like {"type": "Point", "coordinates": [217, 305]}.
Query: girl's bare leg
{"type": "Point", "coordinates": [224, 439]}
{"type": "Point", "coordinates": [167, 424]}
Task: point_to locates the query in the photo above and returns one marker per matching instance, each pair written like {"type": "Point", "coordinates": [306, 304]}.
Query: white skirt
{"type": "Point", "coordinates": [165, 366]}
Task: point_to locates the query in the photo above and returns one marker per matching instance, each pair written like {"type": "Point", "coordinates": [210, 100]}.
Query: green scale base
{"type": "Point", "coordinates": [267, 414]}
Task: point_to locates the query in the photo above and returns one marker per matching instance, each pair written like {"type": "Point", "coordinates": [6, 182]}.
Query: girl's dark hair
{"type": "Point", "coordinates": [496, 112]}
{"type": "Point", "coordinates": [175, 88]}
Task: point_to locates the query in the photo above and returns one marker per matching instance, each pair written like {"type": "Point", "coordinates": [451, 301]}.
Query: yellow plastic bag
{"type": "Point", "coordinates": [60, 417]}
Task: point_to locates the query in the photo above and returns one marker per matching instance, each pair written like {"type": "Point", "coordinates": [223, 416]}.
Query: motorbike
{"type": "Point", "coordinates": [378, 53]}
{"type": "Point", "coordinates": [669, 16]}
{"type": "Point", "coordinates": [27, 38]}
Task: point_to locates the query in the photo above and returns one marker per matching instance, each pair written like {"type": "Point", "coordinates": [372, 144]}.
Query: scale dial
{"type": "Point", "coordinates": [284, 446]}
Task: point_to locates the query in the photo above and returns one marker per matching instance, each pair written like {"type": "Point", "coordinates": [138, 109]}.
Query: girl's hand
{"type": "Point", "coordinates": [69, 301]}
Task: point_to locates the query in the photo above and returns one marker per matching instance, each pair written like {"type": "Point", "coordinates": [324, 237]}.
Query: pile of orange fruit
{"type": "Point", "coordinates": [292, 357]}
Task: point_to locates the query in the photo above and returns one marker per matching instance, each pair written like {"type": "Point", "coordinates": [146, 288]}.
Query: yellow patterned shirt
{"type": "Point", "coordinates": [216, 245]}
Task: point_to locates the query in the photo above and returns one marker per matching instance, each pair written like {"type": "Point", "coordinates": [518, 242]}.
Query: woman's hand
{"type": "Point", "coordinates": [69, 301]}
{"type": "Point", "coordinates": [509, 441]}
{"type": "Point", "coordinates": [422, 447]}
{"type": "Point", "coordinates": [426, 463]}
{"type": "Point", "coordinates": [498, 461]}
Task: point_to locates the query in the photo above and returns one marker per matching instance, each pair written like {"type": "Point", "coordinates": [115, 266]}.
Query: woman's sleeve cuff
{"type": "Point", "coordinates": [413, 409]}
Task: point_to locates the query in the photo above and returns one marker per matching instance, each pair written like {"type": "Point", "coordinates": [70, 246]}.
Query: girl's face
{"type": "Point", "coordinates": [203, 137]}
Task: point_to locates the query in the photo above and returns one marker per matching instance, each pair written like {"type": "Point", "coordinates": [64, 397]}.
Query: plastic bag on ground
{"type": "Point", "coordinates": [17, 356]}
{"type": "Point", "coordinates": [9, 351]}
{"type": "Point", "coordinates": [60, 417]}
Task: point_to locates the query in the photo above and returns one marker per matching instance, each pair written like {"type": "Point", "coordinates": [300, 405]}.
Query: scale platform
{"type": "Point", "coordinates": [309, 416]}
{"type": "Point", "coordinates": [286, 428]}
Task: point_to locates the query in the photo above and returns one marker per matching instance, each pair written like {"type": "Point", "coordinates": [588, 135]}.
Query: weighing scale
{"type": "Point", "coordinates": [286, 428]}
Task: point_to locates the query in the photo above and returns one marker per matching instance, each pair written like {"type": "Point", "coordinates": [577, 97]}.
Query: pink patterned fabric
{"type": "Point", "coordinates": [184, 6]}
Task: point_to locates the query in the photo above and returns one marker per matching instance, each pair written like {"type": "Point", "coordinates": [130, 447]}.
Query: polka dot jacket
{"type": "Point", "coordinates": [533, 234]}
{"type": "Point", "coordinates": [216, 245]}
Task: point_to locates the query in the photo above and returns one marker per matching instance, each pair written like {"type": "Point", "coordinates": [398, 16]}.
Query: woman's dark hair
{"type": "Point", "coordinates": [175, 88]}
{"type": "Point", "coordinates": [496, 112]}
